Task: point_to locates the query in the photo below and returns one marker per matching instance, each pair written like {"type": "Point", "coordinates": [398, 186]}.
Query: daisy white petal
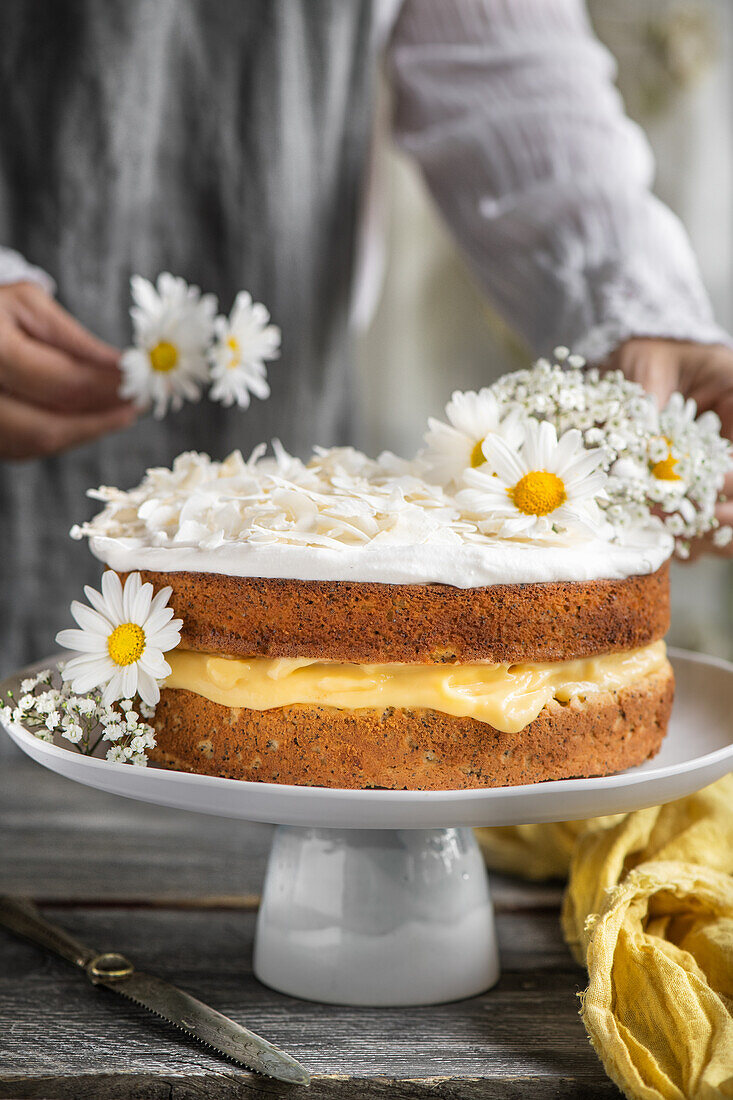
{"type": "Point", "coordinates": [93, 622]}
{"type": "Point", "coordinates": [503, 459]}
{"type": "Point", "coordinates": [97, 600]}
{"type": "Point", "coordinates": [148, 688]}
{"type": "Point", "coordinates": [160, 599]}
{"type": "Point", "coordinates": [81, 641]}
{"type": "Point", "coordinates": [166, 637]}
{"type": "Point", "coordinates": [130, 593]}
{"type": "Point", "coordinates": [158, 620]}
{"type": "Point", "coordinates": [129, 679]}
{"type": "Point", "coordinates": [85, 662]}
{"type": "Point", "coordinates": [140, 605]}
{"type": "Point", "coordinates": [144, 295]}
{"type": "Point", "coordinates": [113, 689]}
{"type": "Point", "coordinates": [539, 445]}
{"type": "Point", "coordinates": [155, 665]}
{"type": "Point", "coordinates": [566, 449]}
{"type": "Point", "coordinates": [85, 680]}
{"type": "Point", "coordinates": [112, 594]}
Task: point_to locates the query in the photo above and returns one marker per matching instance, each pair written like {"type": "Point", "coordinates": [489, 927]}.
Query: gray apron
{"type": "Point", "coordinates": [223, 140]}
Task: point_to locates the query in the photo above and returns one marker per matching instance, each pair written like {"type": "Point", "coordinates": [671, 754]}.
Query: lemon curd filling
{"type": "Point", "coordinates": [506, 697]}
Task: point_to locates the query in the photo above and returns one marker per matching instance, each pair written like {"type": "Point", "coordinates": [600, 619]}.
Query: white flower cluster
{"type": "Point", "coordinates": [46, 709]}
{"type": "Point", "coordinates": [180, 345]}
{"type": "Point", "coordinates": [669, 463]}
{"type": "Point", "coordinates": [553, 454]}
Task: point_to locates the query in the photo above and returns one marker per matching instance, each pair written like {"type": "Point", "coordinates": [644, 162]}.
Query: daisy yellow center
{"type": "Point", "coordinates": [666, 469]}
{"type": "Point", "coordinates": [163, 357]}
{"type": "Point", "coordinates": [538, 493]}
{"type": "Point", "coordinates": [126, 643]}
{"type": "Point", "coordinates": [477, 454]}
{"type": "Point", "coordinates": [233, 344]}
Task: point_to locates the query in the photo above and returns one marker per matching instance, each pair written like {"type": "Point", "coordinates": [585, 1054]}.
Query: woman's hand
{"type": "Point", "coordinates": [702, 371]}
{"type": "Point", "coordinates": [58, 383]}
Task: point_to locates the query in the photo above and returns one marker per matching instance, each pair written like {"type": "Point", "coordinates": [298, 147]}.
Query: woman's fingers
{"type": "Point", "coordinates": [47, 376]}
{"type": "Point", "coordinates": [654, 364]}
{"type": "Point", "coordinates": [58, 383]}
{"type": "Point", "coordinates": [48, 358]}
{"type": "Point", "coordinates": [28, 431]}
{"type": "Point", "coordinates": [48, 322]}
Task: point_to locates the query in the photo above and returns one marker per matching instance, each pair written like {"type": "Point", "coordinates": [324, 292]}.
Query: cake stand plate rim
{"type": "Point", "coordinates": [342, 808]}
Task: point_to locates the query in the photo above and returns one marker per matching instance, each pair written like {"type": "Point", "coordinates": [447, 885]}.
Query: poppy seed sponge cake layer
{"type": "Point", "coordinates": [416, 749]}
{"type": "Point", "coordinates": [374, 622]}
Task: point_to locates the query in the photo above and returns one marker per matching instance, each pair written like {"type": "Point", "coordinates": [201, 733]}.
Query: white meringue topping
{"type": "Point", "coordinates": [343, 516]}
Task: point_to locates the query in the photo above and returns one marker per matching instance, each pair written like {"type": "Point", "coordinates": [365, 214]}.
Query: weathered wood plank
{"type": "Point", "coordinates": [523, 1034]}
{"type": "Point", "coordinates": [205, 1086]}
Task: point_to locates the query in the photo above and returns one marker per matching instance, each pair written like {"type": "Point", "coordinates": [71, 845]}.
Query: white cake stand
{"type": "Point", "coordinates": [381, 897]}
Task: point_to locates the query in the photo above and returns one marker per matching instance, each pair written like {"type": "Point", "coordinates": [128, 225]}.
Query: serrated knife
{"type": "Point", "coordinates": [117, 973]}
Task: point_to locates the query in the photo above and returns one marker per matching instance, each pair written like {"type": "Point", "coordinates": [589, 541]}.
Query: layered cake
{"type": "Point", "coordinates": [419, 686]}
{"type": "Point", "coordinates": [366, 623]}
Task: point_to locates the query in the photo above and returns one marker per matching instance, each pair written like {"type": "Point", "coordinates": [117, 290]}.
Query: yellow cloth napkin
{"type": "Point", "coordinates": [649, 910]}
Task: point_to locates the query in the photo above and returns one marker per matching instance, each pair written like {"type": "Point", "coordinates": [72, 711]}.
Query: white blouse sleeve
{"type": "Point", "coordinates": [509, 108]}
{"type": "Point", "coordinates": [14, 268]}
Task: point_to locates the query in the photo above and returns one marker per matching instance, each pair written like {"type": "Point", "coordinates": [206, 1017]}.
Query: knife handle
{"type": "Point", "coordinates": [22, 917]}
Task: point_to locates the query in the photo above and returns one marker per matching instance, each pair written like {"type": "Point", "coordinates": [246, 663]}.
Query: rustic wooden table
{"type": "Point", "coordinates": [177, 892]}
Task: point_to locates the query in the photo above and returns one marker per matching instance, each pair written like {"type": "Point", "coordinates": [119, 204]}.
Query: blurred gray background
{"type": "Point", "coordinates": [434, 331]}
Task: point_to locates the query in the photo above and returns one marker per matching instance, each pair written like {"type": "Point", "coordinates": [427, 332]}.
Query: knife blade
{"type": "Point", "coordinates": [185, 1012]}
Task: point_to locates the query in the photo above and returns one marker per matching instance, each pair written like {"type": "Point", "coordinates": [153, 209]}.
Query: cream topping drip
{"type": "Point", "coordinates": [463, 566]}
{"type": "Point", "coordinates": [342, 516]}
{"type": "Point", "coordinates": [506, 697]}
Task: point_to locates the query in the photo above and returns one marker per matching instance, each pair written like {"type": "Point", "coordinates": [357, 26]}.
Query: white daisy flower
{"type": "Point", "coordinates": [173, 327]}
{"type": "Point", "coordinates": [549, 486]}
{"type": "Point", "coordinates": [122, 640]}
{"type": "Point", "coordinates": [457, 446]}
{"type": "Point", "coordinates": [244, 341]}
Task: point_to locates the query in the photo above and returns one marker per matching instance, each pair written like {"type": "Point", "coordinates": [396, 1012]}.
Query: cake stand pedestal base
{"type": "Point", "coordinates": [376, 917]}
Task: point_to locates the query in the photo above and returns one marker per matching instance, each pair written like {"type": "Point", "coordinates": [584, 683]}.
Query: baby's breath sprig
{"type": "Point", "coordinates": [46, 706]}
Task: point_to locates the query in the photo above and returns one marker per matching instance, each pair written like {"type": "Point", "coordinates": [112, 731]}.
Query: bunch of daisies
{"type": "Point", "coordinates": [112, 685]}
{"type": "Point", "coordinates": [561, 450]}
{"type": "Point", "coordinates": [180, 346]}
{"type": "Point", "coordinates": [47, 708]}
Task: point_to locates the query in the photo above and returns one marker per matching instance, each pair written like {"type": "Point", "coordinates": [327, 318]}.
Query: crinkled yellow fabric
{"type": "Point", "coordinates": [649, 910]}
